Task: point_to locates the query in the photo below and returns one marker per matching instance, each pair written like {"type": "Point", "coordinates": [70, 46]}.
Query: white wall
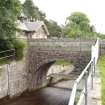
{"type": "Point", "coordinates": [39, 34]}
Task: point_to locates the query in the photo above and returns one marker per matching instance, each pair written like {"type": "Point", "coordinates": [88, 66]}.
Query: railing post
{"type": "Point", "coordinates": [92, 70]}
{"type": "Point", "coordinates": [8, 74]}
{"type": "Point", "coordinates": [86, 90]}
{"type": "Point", "coordinates": [94, 66]}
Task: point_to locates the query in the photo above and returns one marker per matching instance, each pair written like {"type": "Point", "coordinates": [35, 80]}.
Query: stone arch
{"type": "Point", "coordinates": [40, 61]}
{"type": "Point", "coordinates": [38, 77]}
{"type": "Point", "coordinates": [38, 80]}
{"type": "Point", "coordinates": [45, 61]}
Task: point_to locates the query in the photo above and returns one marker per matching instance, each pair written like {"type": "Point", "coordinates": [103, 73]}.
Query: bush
{"type": "Point", "coordinates": [101, 36]}
{"type": "Point", "coordinates": [101, 65]}
{"type": "Point", "coordinates": [5, 45]}
{"type": "Point", "coordinates": [19, 49]}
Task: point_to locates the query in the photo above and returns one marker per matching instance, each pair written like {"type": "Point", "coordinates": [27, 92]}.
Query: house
{"type": "Point", "coordinates": [31, 29]}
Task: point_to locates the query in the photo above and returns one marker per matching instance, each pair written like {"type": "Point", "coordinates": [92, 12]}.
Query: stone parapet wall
{"type": "Point", "coordinates": [62, 44]}
{"type": "Point", "coordinates": [64, 40]}
{"type": "Point", "coordinates": [65, 43]}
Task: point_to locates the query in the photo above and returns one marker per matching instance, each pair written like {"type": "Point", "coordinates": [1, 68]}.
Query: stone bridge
{"type": "Point", "coordinates": [44, 52]}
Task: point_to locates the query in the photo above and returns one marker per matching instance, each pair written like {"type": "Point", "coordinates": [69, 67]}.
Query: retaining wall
{"type": "Point", "coordinates": [13, 79]}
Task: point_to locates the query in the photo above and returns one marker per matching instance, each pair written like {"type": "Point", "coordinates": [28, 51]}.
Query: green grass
{"type": "Point", "coordinates": [4, 61]}
{"type": "Point", "coordinates": [101, 65]}
{"type": "Point", "coordinates": [62, 62]}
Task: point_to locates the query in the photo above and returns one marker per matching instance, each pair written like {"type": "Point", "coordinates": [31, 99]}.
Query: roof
{"type": "Point", "coordinates": [22, 26]}
{"type": "Point", "coordinates": [32, 26]}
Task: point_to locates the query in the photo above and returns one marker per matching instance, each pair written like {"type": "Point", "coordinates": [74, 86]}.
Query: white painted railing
{"type": "Point", "coordinates": [95, 51]}
{"type": "Point", "coordinates": [87, 74]}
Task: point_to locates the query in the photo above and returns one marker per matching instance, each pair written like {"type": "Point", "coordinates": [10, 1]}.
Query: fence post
{"type": "Point", "coordinates": [94, 65]}
{"type": "Point", "coordinates": [86, 90]}
{"type": "Point", "coordinates": [92, 70]}
{"type": "Point", "coordinates": [8, 74]}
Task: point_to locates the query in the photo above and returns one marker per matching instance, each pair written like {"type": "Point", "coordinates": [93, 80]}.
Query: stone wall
{"type": "Point", "coordinates": [62, 44]}
{"type": "Point", "coordinates": [17, 78]}
{"type": "Point", "coordinates": [3, 81]}
{"type": "Point", "coordinates": [102, 47]}
{"type": "Point", "coordinates": [13, 79]}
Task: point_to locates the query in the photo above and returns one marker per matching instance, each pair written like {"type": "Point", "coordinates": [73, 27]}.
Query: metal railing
{"type": "Point", "coordinates": [87, 74]}
{"type": "Point", "coordinates": [7, 54]}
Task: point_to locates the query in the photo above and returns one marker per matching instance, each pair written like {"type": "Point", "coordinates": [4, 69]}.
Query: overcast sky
{"type": "Point", "coordinates": [58, 10]}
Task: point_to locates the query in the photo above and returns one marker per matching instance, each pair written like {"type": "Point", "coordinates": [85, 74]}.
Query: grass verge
{"type": "Point", "coordinates": [62, 62]}
{"type": "Point", "coordinates": [4, 61]}
{"type": "Point", "coordinates": [101, 65]}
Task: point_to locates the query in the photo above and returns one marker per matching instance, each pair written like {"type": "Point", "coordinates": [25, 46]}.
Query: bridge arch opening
{"type": "Point", "coordinates": [60, 66]}
{"type": "Point", "coordinates": [45, 72]}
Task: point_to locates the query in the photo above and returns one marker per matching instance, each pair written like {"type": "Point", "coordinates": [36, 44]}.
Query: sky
{"type": "Point", "coordinates": [58, 10]}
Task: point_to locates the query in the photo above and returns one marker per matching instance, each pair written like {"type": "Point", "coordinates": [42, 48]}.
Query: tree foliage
{"type": "Point", "coordinates": [32, 11]}
{"type": "Point", "coordinates": [78, 25]}
{"type": "Point", "coordinates": [54, 29]}
{"type": "Point", "coordinates": [9, 10]}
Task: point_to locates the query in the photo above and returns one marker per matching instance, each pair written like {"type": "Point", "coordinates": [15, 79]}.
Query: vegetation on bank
{"type": "Point", "coordinates": [62, 62]}
{"type": "Point", "coordinates": [9, 11]}
{"type": "Point", "coordinates": [101, 36]}
{"type": "Point", "coordinates": [17, 52]}
{"type": "Point", "coordinates": [101, 65]}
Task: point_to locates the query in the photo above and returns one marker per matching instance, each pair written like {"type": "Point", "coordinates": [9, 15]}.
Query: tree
{"type": "Point", "coordinates": [29, 9]}
{"type": "Point", "coordinates": [32, 11]}
{"type": "Point", "coordinates": [54, 29]}
{"type": "Point", "coordinates": [9, 10]}
{"type": "Point", "coordinates": [78, 25]}
{"type": "Point", "coordinates": [42, 15]}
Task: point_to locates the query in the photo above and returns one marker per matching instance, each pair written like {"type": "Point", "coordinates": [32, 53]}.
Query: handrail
{"type": "Point", "coordinates": [8, 55]}
{"type": "Point", "coordinates": [7, 50]}
{"type": "Point", "coordinates": [72, 98]}
{"type": "Point", "coordinates": [92, 63]}
{"type": "Point", "coordinates": [82, 95]}
{"type": "Point", "coordinates": [73, 94]}
{"type": "Point", "coordinates": [84, 72]}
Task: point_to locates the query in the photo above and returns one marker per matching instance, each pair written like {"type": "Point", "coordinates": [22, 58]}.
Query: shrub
{"type": "Point", "coordinates": [101, 65]}
{"type": "Point", "coordinates": [19, 49]}
{"type": "Point", "coordinates": [5, 45]}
